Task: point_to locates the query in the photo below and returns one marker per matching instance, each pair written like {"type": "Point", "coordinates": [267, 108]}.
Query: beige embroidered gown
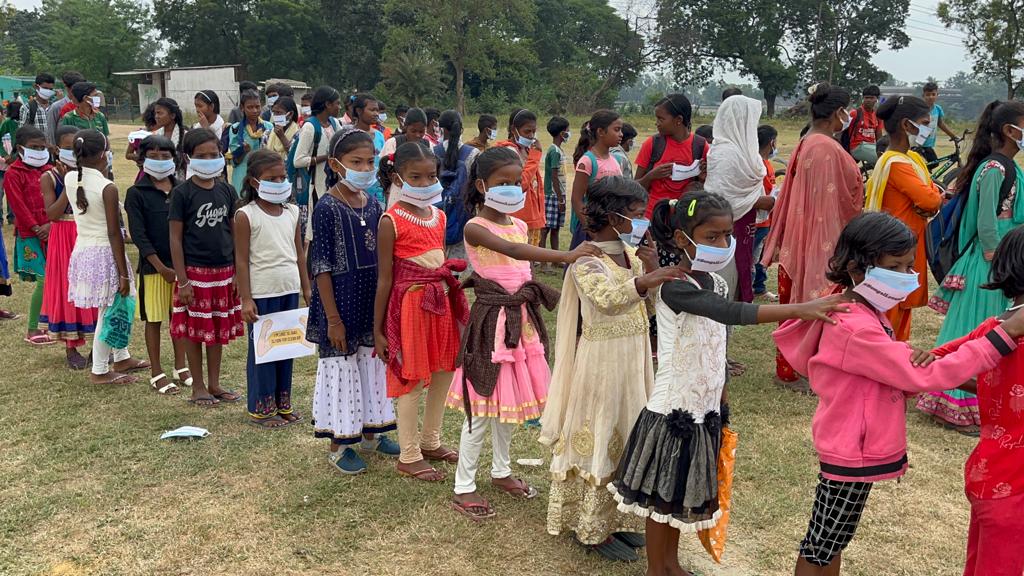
{"type": "Point", "coordinates": [598, 389]}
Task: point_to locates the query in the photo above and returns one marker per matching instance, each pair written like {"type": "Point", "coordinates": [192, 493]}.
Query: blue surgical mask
{"type": "Point", "coordinates": [158, 169]}
{"type": "Point", "coordinates": [206, 168]}
{"type": "Point", "coordinates": [275, 192]}
{"type": "Point", "coordinates": [710, 258]}
{"type": "Point", "coordinates": [505, 199]}
{"type": "Point", "coordinates": [492, 134]}
{"type": "Point", "coordinates": [422, 196]}
{"type": "Point", "coordinates": [360, 180]}
{"type": "Point", "coordinates": [271, 100]}
{"type": "Point", "coordinates": [884, 289]}
{"type": "Point", "coordinates": [67, 156]}
{"type": "Point", "coordinates": [524, 141]}
{"type": "Point", "coordinates": [637, 231]}
{"type": "Point", "coordinates": [923, 133]}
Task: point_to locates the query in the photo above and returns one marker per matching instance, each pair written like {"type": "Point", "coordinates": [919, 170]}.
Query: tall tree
{"type": "Point", "coordinates": [465, 33]}
{"type": "Point", "coordinates": [835, 40]}
{"type": "Point", "coordinates": [994, 36]}
{"type": "Point", "coordinates": [415, 77]}
{"type": "Point", "coordinates": [699, 37]}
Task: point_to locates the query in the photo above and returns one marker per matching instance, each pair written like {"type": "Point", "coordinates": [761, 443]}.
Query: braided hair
{"type": "Point", "coordinates": [89, 144]}
{"type": "Point", "coordinates": [686, 214]}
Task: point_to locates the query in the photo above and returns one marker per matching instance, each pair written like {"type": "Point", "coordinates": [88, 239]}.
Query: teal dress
{"type": "Point", "coordinates": [966, 304]}
{"type": "Point", "coordinates": [239, 135]}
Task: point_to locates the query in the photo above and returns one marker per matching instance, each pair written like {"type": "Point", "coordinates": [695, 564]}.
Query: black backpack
{"type": "Point", "coordinates": [33, 109]}
{"type": "Point", "coordinates": [847, 135]}
{"type": "Point", "coordinates": [942, 236]}
{"type": "Point", "coordinates": [658, 148]}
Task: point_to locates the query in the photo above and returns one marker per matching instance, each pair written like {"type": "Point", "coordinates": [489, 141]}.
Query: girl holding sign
{"type": "Point", "coordinates": [271, 271]}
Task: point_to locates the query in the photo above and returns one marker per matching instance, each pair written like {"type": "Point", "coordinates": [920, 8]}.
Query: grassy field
{"type": "Point", "coordinates": [87, 487]}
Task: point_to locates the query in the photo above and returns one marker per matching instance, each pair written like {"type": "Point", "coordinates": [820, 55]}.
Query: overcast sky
{"type": "Point", "coordinates": [933, 50]}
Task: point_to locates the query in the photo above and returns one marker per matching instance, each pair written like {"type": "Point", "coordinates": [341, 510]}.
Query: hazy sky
{"type": "Point", "coordinates": [933, 50]}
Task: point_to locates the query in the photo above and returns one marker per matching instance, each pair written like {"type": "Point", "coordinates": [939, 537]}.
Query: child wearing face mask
{"type": "Point", "coordinates": [522, 132]}
{"type": "Point", "coordinates": [602, 378]}
{"type": "Point", "coordinates": [284, 117]}
{"type": "Point", "coordinates": [902, 186]}
{"type": "Point", "coordinates": [147, 204]}
{"type": "Point", "coordinates": [503, 374]}
{"type": "Point", "coordinates": [205, 307]}
{"type": "Point", "coordinates": [350, 403]}
{"type": "Point", "coordinates": [593, 160]}
{"type": "Point", "coordinates": [862, 374]}
{"type": "Point", "coordinates": [668, 470]}
{"type": "Point", "coordinates": [32, 227]}
{"type": "Point", "coordinates": [418, 310]}
{"type": "Point", "coordinates": [271, 272]}
{"type": "Point", "coordinates": [65, 321]}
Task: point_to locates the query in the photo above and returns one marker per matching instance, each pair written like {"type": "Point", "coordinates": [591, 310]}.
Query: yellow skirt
{"type": "Point", "coordinates": [155, 295]}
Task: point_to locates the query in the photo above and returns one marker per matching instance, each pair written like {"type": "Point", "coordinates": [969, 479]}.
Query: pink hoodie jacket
{"type": "Point", "coordinates": [862, 377]}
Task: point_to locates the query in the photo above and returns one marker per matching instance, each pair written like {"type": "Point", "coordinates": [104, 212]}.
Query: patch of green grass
{"type": "Point", "coordinates": [87, 487]}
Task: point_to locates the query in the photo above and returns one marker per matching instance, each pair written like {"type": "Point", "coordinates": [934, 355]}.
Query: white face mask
{"type": "Point", "coordinates": [884, 289]}
{"type": "Point", "coordinates": [274, 192]}
{"type": "Point", "coordinates": [422, 196]}
{"type": "Point", "coordinates": [505, 199]}
{"type": "Point", "coordinates": [158, 169]}
{"type": "Point", "coordinates": [492, 134]}
{"type": "Point", "coordinates": [279, 119]}
{"type": "Point", "coordinates": [307, 110]}
{"type": "Point", "coordinates": [382, 118]}
{"type": "Point", "coordinates": [847, 122]}
{"type": "Point", "coordinates": [923, 133]}
{"type": "Point", "coordinates": [360, 180]}
{"type": "Point", "coordinates": [45, 93]}
{"type": "Point", "coordinates": [271, 100]}
{"type": "Point", "coordinates": [67, 156]}
{"type": "Point", "coordinates": [205, 168]}
{"type": "Point", "coordinates": [35, 158]}
{"type": "Point", "coordinates": [96, 101]}
{"type": "Point", "coordinates": [710, 258]}
{"type": "Point", "coordinates": [1020, 142]}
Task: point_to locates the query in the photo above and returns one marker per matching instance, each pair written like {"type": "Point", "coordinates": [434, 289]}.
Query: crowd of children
{"type": "Point", "coordinates": [382, 234]}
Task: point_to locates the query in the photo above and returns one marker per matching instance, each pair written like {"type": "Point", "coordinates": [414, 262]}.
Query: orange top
{"type": "Point", "coordinates": [905, 192]}
{"type": "Point", "coordinates": [533, 185]}
{"type": "Point", "coordinates": [416, 237]}
{"type": "Point", "coordinates": [769, 185]}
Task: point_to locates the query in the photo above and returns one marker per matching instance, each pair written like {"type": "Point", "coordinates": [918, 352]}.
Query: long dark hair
{"type": "Point", "coordinates": [259, 161]}
{"type": "Point", "coordinates": [600, 120]}
{"type": "Point", "coordinates": [1007, 274]}
{"type": "Point", "coordinates": [486, 163]}
{"type": "Point", "coordinates": [88, 144]}
{"type": "Point", "coordinates": [864, 241]}
{"type": "Point", "coordinates": [171, 105]}
{"type": "Point", "coordinates": [988, 136]}
{"type": "Point", "coordinates": [610, 195]}
{"type": "Point", "coordinates": [825, 99]}
{"type": "Point", "coordinates": [518, 118]}
{"type": "Point", "coordinates": [288, 104]}
{"type": "Point", "coordinates": [211, 98]}
{"type": "Point", "coordinates": [323, 96]}
{"type": "Point", "coordinates": [690, 211]}
{"type": "Point", "coordinates": [452, 123]}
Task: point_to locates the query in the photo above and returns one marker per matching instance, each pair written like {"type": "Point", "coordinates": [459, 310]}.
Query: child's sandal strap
{"type": "Point", "coordinates": [185, 382]}
{"type": "Point", "coordinates": [166, 388]}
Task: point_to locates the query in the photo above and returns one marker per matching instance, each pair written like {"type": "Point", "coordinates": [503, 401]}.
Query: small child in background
{"type": "Point", "coordinates": [350, 403]}
{"type": "Point", "coordinates": [554, 183]}
{"type": "Point", "coordinates": [418, 310]}
{"type": "Point", "coordinates": [205, 307]}
{"type": "Point", "coordinates": [768, 148]}
{"type": "Point", "coordinates": [503, 374]}
{"type": "Point", "coordinates": [862, 374]}
{"type": "Point", "coordinates": [522, 137]}
{"type": "Point", "coordinates": [32, 227]}
{"type": "Point", "coordinates": [98, 269]}
{"type": "Point", "coordinates": [487, 127]}
{"type": "Point", "coordinates": [621, 152]}
{"type": "Point", "coordinates": [994, 472]}
{"type": "Point", "coordinates": [271, 272]}
{"type": "Point", "coordinates": [305, 107]}
{"type": "Point", "coordinates": [678, 435]}
{"type": "Point", "coordinates": [246, 136]}
{"type": "Point", "coordinates": [707, 132]}
{"type": "Point", "coordinates": [64, 320]}
{"type": "Point", "coordinates": [147, 203]}
{"type": "Point", "coordinates": [593, 160]}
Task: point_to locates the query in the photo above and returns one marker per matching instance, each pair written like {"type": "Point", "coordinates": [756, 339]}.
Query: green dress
{"type": "Point", "coordinates": [961, 297]}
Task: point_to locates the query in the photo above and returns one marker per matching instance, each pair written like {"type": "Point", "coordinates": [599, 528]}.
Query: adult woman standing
{"type": "Point", "coordinates": [736, 171]}
{"type": "Point", "coordinates": [902, 186]}
{"type": "Point", "coordinates": [822, 192]}
{"type": "Point", "coordinates": [994, 205]}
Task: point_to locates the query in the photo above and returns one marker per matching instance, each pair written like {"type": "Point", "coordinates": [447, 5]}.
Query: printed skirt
{"type": "Point", "coordinates": [215, 314]}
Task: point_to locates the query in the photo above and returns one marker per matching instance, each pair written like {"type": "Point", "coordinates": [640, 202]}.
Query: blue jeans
{"type": "Point", "coordinates": [760, 274]}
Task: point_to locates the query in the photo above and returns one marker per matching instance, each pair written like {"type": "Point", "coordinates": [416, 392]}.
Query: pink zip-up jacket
{"type": "Point", "coordinates": [862, 377]}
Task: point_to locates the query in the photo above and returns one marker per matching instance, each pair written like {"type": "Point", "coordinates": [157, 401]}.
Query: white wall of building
{"type": "Point", "coordinates": [182, 85]}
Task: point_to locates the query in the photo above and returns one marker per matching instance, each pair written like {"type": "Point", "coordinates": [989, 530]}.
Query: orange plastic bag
{"type": "Point", "coordinates": [713, 538]}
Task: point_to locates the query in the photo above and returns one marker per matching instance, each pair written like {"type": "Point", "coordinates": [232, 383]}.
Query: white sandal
{"type": "Point", "coordinates": [186, 381]}
{"type": "Point", "coordinates": [168, 389]}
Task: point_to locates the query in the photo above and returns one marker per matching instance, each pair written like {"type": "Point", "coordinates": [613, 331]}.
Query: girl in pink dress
{"type": "Point", "coordinates": [502, 376]}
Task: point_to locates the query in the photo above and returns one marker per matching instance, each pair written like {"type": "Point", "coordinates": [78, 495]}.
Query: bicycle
{"type": "Point", "coordinates": [944, 170]}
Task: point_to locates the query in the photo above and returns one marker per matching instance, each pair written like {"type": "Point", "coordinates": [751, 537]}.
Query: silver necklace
{"type": "Point", "coordinates": [362, 211]}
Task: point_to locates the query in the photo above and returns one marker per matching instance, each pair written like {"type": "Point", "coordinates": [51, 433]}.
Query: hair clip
{"type": "Point", "coordinates": [813, 89]}
{"type": "Point", "coordinates": [900, 101]}
{"type": "Point", "coordinates": [673, 202]}
{"type": "Point", "coordinates": [693, 206]}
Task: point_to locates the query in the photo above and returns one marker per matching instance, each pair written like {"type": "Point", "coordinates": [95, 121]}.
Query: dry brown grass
{"type": "Point", "coordinates": [87, 488]}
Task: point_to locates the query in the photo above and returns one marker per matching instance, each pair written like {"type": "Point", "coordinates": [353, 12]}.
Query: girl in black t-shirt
{"type": "Point", "coordinates": [206, 309]}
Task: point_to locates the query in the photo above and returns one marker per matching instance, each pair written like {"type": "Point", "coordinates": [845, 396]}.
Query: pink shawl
{"type": "Point", "coordinates": [822, 192]}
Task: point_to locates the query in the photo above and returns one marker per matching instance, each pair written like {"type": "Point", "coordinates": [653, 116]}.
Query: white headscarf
{"type": "Point", "coordinates": [735, 167]}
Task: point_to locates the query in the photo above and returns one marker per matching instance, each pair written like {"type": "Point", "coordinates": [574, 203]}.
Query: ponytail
{"type": "Point", "coordinates": [988, 136]}
{"type": "Point", "coordinates": [691, 210]}
{"type": "Point", "coordinates": [661, 221]}
{"type": "Point", "coordinates": [452, 123]}
{"type": "Point", "coordinates": [80, 200]}
{"type": "Point", "coordinates": [601, 120]}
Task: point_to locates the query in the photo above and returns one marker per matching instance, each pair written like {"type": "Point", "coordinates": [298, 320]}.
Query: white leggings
{"type": "Point", "coordinates": [101, 350]}
{"type": "Point", "coordinates": [470, 445]}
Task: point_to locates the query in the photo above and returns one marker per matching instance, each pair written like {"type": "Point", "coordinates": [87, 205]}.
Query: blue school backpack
{"type": "Point", "coordinates": [301, 178]}
{"type": "Point", "coordinates": [454, 182]}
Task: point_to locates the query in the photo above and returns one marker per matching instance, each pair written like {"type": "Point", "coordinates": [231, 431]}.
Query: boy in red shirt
{"type": "Point", "coordinates": [865, 128]}
{"type": "Point", "coordinates": [994, 473]}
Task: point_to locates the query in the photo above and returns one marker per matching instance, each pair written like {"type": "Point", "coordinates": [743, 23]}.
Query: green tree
{"type": "Point", "coordinates": [994, 37]}
{"type": "Point", "coordinates": [203, 32]}
{"type": "Point", "coordinates": [414, 77]}
{"type": "Point", "coordinates": [356, 34]}
{"type": "Point", "coordinates": [835, 40]}
{"type": "Point", "coordinates": [700, 37]}
{"type": "Point", "coordinates": [464, 33]}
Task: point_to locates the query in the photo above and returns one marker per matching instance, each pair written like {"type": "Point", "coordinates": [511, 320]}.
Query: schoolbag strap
{"type": "Point", "coordinates": [1009, 177]}
{"type": "Point", "coordinates": [698, 147]}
